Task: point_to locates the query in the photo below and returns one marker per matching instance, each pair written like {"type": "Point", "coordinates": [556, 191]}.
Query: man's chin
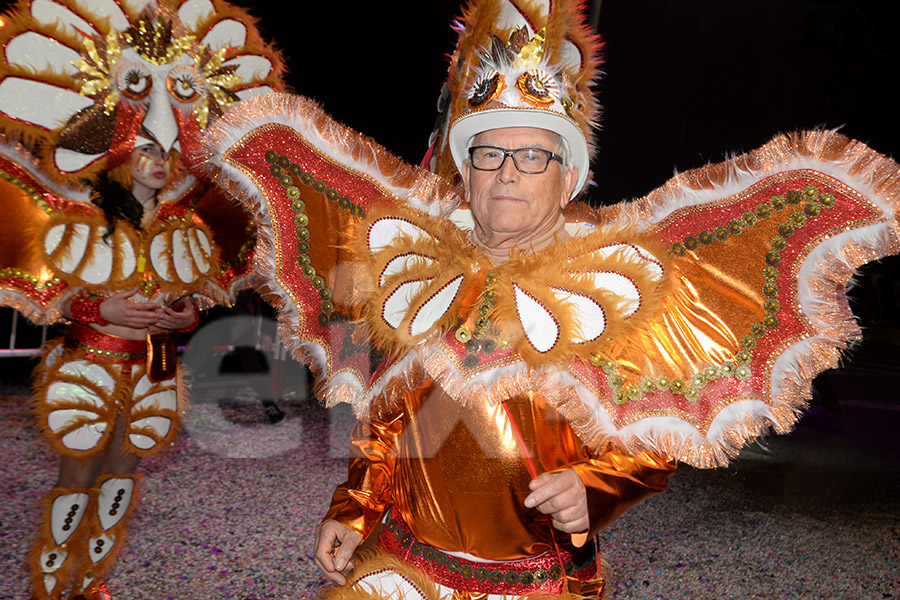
{"type": "Point", "coordinates": [506, 227]}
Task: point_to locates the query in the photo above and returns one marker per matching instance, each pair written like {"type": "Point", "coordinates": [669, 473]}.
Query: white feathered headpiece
{"type": "Point", "coordinates": [522, 64]}
{"type": "Point", "coordinates": [82, 80]}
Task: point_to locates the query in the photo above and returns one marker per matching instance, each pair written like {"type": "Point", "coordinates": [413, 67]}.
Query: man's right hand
{"type": "Point", "coordinates": [335, 545]}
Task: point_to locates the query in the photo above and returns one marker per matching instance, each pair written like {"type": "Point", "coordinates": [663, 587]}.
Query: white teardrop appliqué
{"type": "Point", "coordinates": [621, 286]}
{"type": "Point", "coordinates": [539, 326]}
{"type": "Point", "coordinates": [384, 231]}
{"type": "Point", "coordinates": [589, 314]}
{"type": "Point", "coordinates": [158, 258]}
{"type": "Point", "coordinates": [397, 304]}
{"type": "Point", "coordinates": [435, 308]}
{"type": "Point", "coordinates": [182, 257]}
{"type": "Point", "coordinates": [401, 263]}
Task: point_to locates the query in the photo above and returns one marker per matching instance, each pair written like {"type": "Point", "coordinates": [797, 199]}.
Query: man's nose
{"type": "Point", "coordinates": [508, 170]}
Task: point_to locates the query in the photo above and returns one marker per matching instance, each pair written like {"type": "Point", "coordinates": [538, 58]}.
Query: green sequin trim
{"type": "Point", "coordinates": [38, 199]}
{"type": "Point", "coordinates": [20, 274]}
{"type": "Point", "coordinates": [495, 576]}
{"type": "Point", "coordinates": [44, 206]}
{"type": "Point", "coordinates": [288, 173]}
{"type": "Point", "coordinates": [477, 340]}
{"type": "Point", "coordinates": [111, 354]}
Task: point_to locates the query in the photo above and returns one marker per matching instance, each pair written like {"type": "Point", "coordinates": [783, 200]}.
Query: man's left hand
{"type": "Point", "coordinates": [561, 495]}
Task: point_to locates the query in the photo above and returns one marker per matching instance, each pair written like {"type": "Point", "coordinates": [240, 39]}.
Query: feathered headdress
{"type": "Point", "coordinates": [521, 63]}
{"type": "Point", "coordinates": [81, 80]}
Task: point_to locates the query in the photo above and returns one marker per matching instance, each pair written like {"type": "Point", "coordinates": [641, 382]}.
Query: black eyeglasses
{"type": "Point", "coordinates": [527, 160]}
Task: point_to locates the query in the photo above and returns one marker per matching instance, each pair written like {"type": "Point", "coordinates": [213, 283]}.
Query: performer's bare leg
{"type": "Point", "coordinates": [83, 472]}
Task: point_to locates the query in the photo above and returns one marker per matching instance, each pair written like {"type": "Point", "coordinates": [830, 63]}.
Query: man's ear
{"type": "Point", "coordinates": [464, 170]}
{"type": "Point", "coordinates": [570, 180]}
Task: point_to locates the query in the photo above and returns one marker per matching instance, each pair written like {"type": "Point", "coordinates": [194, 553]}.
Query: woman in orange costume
{"type": "Point", "coordinates": [123, 411]}
{"type": "Point", "coordinates": [95, 101]}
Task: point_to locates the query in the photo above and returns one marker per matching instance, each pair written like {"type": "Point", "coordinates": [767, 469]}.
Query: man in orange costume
{"type": "Point", "coordinates": [486, 498]}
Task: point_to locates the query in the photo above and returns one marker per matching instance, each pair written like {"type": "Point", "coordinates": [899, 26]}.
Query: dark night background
{"type": "Point", "coordinates": [687, 82]}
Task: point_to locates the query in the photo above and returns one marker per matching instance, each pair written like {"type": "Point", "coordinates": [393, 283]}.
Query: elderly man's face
{"type": "Point", "coordinates": [506, 202]}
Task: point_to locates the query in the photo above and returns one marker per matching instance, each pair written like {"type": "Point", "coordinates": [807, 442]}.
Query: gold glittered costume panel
{"type": "Point", "coordinates": [755, 254]}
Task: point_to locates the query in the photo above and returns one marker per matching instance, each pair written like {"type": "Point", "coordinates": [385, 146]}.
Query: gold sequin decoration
{"type": "Point", "coordinates": [287, 172]}
{"type": "Point", "coordinates": [476, 339]}
{"type": "Point", "coordinates": [96, 69]}
{"type": "Point", "coordinates": [154, 42]}
{"type": "Point", "coordinates": [220, 80]}
{"type": "Point", "coordinates": [532, 52]}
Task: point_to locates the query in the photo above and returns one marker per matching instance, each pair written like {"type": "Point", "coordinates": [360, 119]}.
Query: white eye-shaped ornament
{"type": "Point", "coordinates": [185, 84]}
{"type": "Point", "coordinates": [488, 87]}
{"type": "Point", "coordinates": [538, 87]}
{"type": "Point", "coordinates": [134, 80]}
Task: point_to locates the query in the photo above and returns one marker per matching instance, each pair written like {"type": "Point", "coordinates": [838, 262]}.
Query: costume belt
{"type": "Point", "coordinates": [548, 572]}
{"type": "Point", "coordinates": [105, 347]}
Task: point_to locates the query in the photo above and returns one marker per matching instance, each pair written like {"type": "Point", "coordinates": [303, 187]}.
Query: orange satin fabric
{"type": "Point", "coordinates": [718, 298]}
{"type": "Point", "coordinates": [700, 324]}
{"type": "Point", "coordinates": [20, 233]}
{"type": "Point", "coordinates": [458, 477]}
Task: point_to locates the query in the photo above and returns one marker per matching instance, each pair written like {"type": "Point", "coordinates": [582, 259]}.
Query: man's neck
{"type": "Point", "coordinates": [498, 246]}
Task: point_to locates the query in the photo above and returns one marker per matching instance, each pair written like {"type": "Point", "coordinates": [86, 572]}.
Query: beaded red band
{"type": "Point", "coordinates": [87, 310]}
{"type": "Point", "coordinates": [104, 347]}
{"type": "Point", "coordinates": [545, 573]}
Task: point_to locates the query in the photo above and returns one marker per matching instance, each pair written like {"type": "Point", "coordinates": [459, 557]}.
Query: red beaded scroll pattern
{"type": "Point", "coordinates": [310, 200]}
{"type": "Point", "coordinates": [782, 217]}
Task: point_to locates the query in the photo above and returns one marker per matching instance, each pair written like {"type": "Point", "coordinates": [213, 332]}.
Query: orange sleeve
{"type": "Point", "coordinates": [360, 502]}
{"type": "Point", "coordinates": [616, 482]}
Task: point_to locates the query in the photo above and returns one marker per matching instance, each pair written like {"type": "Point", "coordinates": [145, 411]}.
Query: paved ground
{"type": "Point", "coordinates": [228, 512]}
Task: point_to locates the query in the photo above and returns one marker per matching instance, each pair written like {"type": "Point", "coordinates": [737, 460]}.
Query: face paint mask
{"type": "Point", "coordinates": [144, 164]}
